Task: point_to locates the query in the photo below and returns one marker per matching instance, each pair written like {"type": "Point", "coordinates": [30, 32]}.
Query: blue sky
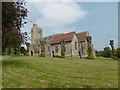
{"type": "Point", "coordinates": [99, 18]}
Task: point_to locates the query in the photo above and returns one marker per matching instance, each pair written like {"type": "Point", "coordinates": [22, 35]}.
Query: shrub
{"type": "Point", "coordinates": [99, 53]}
{"type": "Point", "coordinates": [61, 56]}
{"type": "Point", "coordinates": [41, 55]}
{"type": "Point", "coordinates": [90, 54]}
{"type": "Point", "coordinates": [90, 57]}
{"type": "Point", "coordinates": [3, 53]}
{"type": "Point", "coordinates": [114, 57]}
{"type": "Point", "coordinates": [23, 50]}
{"type": "Point", "coordinates": [107, 52]}
{"type": "Point", "coordinates": [62, 53]}
{"type": "Point", "coordinates": [118, 52]}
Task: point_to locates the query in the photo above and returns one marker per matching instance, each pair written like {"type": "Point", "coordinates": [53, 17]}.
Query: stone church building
{"type": "Point", "coordinates": [75, 44]}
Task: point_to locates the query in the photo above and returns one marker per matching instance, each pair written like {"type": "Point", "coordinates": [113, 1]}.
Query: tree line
{"type": "Point", "coordinates": [107, 52]}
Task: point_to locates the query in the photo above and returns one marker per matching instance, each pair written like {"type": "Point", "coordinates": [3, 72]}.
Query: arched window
{"type": "Point", "coordinates": [56, 49]}
{"type": "Point", "coordinates": [75, 45]}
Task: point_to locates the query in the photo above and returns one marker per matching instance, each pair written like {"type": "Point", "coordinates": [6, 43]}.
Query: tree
{"type": "Point", "coordinates": [107, 52]}
{"type": "Point", "coordinates": [113, 54]}
{"type": "Point", "coordinates": [99, 53]}
{"type": "Point", "coordinates": [13, 14]}
{"type": "Point", "coordinates": [26, 38]}
{"type": "Point", "coordinates": [62, 48]}
{"type": "Point", "coordinates": [118, 52]}
{"type": "Point", "coordinates": [90, 49]}
{"type": "Point", "coordinates": [23, 50]}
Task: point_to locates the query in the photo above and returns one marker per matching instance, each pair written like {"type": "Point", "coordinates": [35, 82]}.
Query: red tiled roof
{"type": "Point", "coordinates": [67, 37]}
{"type": "Point", "coordinates": [81, 36]}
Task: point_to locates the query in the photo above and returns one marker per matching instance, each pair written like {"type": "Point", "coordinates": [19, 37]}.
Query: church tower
{"type": "Point", "coordinates": [36, 33]}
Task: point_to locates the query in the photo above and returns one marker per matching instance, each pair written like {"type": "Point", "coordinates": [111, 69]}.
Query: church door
{"type": "Point", "coordinates": [31, 53]}
{"type": "Point", "coordinates": [52, 53]}
{"type": "Point", "coordinates": [80, 54]}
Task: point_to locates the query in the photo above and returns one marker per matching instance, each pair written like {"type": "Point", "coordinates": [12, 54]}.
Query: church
{"type": "Point", "coordinates": [75, 44]}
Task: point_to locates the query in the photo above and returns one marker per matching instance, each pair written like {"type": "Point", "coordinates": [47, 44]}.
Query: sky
{"type": "Point", "coordinates": [99, 18]}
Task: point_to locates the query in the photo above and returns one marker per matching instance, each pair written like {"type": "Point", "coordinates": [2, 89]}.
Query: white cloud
{"type": "Point", "coordinates": [57, 15]}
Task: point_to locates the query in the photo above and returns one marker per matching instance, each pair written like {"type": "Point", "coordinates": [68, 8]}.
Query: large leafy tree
{"type": "Point", "coordinates": [13, 14]}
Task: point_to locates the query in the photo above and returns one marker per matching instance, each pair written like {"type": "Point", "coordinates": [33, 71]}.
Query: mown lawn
{"type": "Point", "coordinates": [46, 72]}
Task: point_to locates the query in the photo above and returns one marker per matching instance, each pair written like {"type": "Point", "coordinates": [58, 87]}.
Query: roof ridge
{"type": "Point", "coordinates": [70, 32]}
{"type": "Point", "coordinates": [82, 32]}
{"type": "Point", "coordinates": [67, 37]}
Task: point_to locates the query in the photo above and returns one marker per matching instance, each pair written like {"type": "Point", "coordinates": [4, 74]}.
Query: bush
{"type": "Point", "coordinates": [114, 57]}
{"type": "Point", "coordinates": [99, 53]}
{"type": "Point", "coordinates": [118, 52]}
{"type": "Point", "coordinates": [41, 55]}
{"type": "Point", "coordinates": [90, 57]}
{"type": "Point", "coordinates": [62, 53]}
{"type": "Point", "coordinates": [90, 54]}
{"type": "Point", "coordinates": [61, 56]}
{"type": "Point", "coordinates": [23, 50]}
{"type": "Point", "coordinates": [8, 52]}
{"type": "Point", "coordinates": [107, 52]}
{"type": "Point", "coordinates": [3, 53]}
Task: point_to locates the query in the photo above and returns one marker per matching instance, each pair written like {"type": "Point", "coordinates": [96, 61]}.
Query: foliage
{"type": "Point", "coordinates": [118, 52]}
{"type": "Point", "coordinates": [107, 52]}
{"type": "Point", "coordinates": [15, 51]}
{"type": "Point", "coordinates": [42, 53]}
{"type": "Point", "coordinates": [62, 48]}
{"type": "Point", "coordinates": [25, 39]}
{"type": "Point", "coordinates": [8, 52]}
{"type": "Point", "coordinates": [90, 54]}
{"type": "Point", "coordinates": [90, 57]}
{"type": "Point", "coordinates": [61, 56]}
{"type": "Point", "coordinates": [13, 14]}
{"type": "Point", "coordinates": [23, 50]}
{"type": "Point", "coordinates": [99, 53]}
{"type": "Point", "coordinates": [62, 53]}
{"type": "Point", "coordinates": [115, 57]}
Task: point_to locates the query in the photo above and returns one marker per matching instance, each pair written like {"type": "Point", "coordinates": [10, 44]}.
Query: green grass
{"type": "Point", "coordinates": [46, 72]}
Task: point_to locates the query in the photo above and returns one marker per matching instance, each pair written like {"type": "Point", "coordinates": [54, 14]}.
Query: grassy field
{"type": "Point", "coordinates": [46, 72]}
